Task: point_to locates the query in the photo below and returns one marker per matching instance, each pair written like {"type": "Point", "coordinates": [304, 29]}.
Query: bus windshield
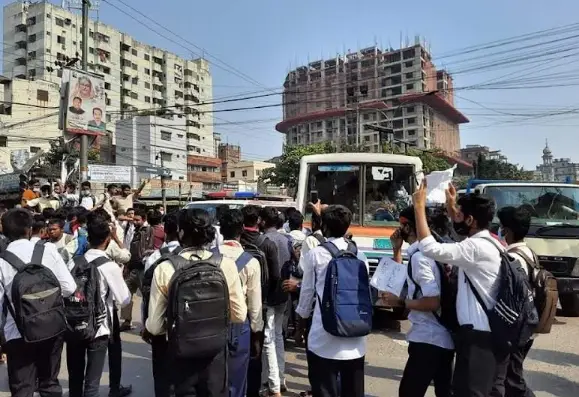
{"type": "Point", "coordinates": [546, 204]}
{"type": "Point", "coordinates": [375, 193]}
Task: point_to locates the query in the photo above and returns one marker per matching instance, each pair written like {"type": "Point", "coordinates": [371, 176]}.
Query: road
{"type": "Point", "coordinates": [552, 368]}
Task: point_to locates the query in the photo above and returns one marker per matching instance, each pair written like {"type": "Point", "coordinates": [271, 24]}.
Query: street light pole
{"type": "Point", "coordinates": [84, 138]}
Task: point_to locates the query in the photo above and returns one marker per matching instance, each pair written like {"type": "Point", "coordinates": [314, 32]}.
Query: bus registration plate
{"type": "Point", "coordinates": [382, 244]}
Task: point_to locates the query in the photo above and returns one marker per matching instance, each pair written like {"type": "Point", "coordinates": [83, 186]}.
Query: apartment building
{"type": "Point", "coordinates": [246, 171]}
{"type": "Point", "coordinates": [471, 153]}
{"type": "Point", "coordinates": [229, 155]}
{"type": "Point", "coordinates": [146, 142]}
{"type": "Point", "coordinates": [334, 100]}
{"type": "Point", "coordinates": [28, 117]}
{"type": "Point", "coordinates": [137, 75]}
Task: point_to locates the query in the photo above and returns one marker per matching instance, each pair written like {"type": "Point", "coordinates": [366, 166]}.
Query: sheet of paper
{"type": "Point", "coordinates": [437, 182]}
{"type": "Point", "coordinates": [390, 276]}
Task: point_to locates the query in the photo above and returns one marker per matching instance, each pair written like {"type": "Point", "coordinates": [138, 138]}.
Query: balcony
{"type": "Point", "coordinates": [200, 176]}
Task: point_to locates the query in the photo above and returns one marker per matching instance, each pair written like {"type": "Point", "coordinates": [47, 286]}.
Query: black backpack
{"type": "Point", "coordinates": [257, 253]}
{"type": "Point", "coordinates": [197, 308]}
{"type": "Point", "coordinates": [514, 317]}
{"type": "Point", "coordinates": [37, 305]}
{"type": "Point", "coordinates": [85, 310]}
{"type": "Point", "coordinates": [148, 277]}
{"type": "Point", "coordinates": [446, 316]}
{"type": "Point", "coordinates": [321, 239]}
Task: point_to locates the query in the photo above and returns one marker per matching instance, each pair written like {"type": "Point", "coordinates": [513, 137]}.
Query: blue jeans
{"type": "Point", "coordinates": [239, 360]}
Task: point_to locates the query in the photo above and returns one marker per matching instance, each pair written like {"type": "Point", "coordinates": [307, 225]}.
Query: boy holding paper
{"type": "Point", "coordinates": [430, 350]}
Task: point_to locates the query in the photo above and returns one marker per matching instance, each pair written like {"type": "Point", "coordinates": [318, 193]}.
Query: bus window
{"type": "Point", "coordinates": [336, 184]}
{"type": "Point", "coordinates": [388, 192]}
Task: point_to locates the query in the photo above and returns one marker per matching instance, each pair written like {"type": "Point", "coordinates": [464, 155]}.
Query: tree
{"type": "Point", "coordinates": [432, 160]}
{"type": "Point", "coordinates": [52, 160]}
{"type": "Point", "coordinates": [500, 170]}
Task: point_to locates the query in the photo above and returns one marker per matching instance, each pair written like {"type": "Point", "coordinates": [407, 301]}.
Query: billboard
{"type": "Point", "coordinates": [109, 173]}
{"type": "Point", "coordinates": [85, 107]}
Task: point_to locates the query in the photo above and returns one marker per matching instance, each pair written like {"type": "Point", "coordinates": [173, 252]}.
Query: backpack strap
{"type": "Point", "coordinates": [214, 250]}
{"type": "Point", "coordinates": [260, 240]}
{"type": "Point", "coordinates": [38, 252]}
{"type": "Point", "coordinates": [319, 237]}
{"type": "Point", "coordinates": [79, 260]}
{"type": "Point", "coordinates": [164, 250]}
{"type": "Point", "coordinates": [101, 260]}
{"type": "Point", "coordinates": [13, 260]}
{"type": "Point", "coordinates": [417, 288]}
{"type": "Point", "coordinates": [477, 295]}
{"type": "Point", "coordinates": [243, 260]}
{"type": "Point", "coordinates": [331, 248]}
{"type": "Point", "coordinates": [214, 259]}
{"type": "Point", "coordinates": [177, 250]}
{"type": "Point", "coordinates": [532, 262]}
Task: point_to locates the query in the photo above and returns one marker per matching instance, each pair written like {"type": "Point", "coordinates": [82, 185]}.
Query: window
{"type": "Point", "coordinates": [134, 51]}
{"type": "Point", "coordinates": [32, 73]}
{"type": "Point", "coordinates": [34, 149]}
{"type": "Point", "coordinates": [32, 38]}
{"type": "Point", "coordinates": [409, 64]}
{"type": "Point", "coordinates": [180, 136]}
{"type": "Point", "coordinates": [60, 40]}
{"type": "Point", "coordinates": [411, 132]}
{"type": "Point", "coordinates": [107, 86]}
{"type": "Point", "coordinates": [42, 95]}
{"type": "Point", "coordinates": [166, 156]}
{"type": "Point", "coordinates": [409, 86]}
{"type": "Point", "coordinates": [147, 85]}
{"type": "Point", "coordinates": [411, 120]}
{"type": "Point", "coordinates": [147, 57]}
{"type": "Point", "coordinates": [409, 75]}
{"type": "Point", "coordinates": [134, 66]}
{"type": "Point", "coordinates": [244, 173]}
{"type": "Point", "coordinates": [3, 141]}
{"type": "Point", "coordinates": [31, 21]}
{"type": "Point", "coordinates": [32, 55]}
{"type": "Point", "coordinates": [134, 95]}
{"type": "Point", "coordinates": [148, 99]}
{"type": "Point", "coordinates": [91, 50]}
{"type": "Point", "coordinates": [232, 174]}
{"type": "Point", "coordinates": [410, 109]}
{"type": "Point", "coordinates": [59, 22]}
{"type": "Point", "coordinates": [165, 135]}
{"type": "Point", "coordinates": [135, 80]}
{"type": "Point", "coordinates": [48, 33]}
{"type": "Point", "coordinates": [106, 70]}
{"type": "Point", "coordinates": [148, 71]}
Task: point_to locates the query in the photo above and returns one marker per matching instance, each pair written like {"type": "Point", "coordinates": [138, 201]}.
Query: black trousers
{"type": "Point", "coordinates": [159, 347]}
{"type": "Point", "coordinates": [427, 363]}
{"type": "Point", "coordinates": [510, 381]}
{"type": "Point", "coordinates": [323, 376]}
{"type": "Point", "coordinates": [115, 353]}
{"type": "Point", "coordinates": [85, 362]}
{"type": "Point", "coordinates": [201, 377]}
{"type": "Point", "coordinates": [477, 360]}
{"type": "Point", "coordinates": [32, 362]}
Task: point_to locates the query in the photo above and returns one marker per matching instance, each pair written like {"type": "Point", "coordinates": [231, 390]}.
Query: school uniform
{"type": "Point", "coordinates": [431, 349]}
{"type": "Point", "coordinates": [32, 366]}
{"type": "Point", "coordinates": [477, 357]}
{"type": "Point", "coordinates": [329, 356]}
{"type": "Point", "coordinates": [510, 380]}
{"type": "Point", "coordinates": [85, 360]}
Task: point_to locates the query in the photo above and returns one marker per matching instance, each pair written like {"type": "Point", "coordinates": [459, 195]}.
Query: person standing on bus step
{"type": "Point", "coordinates": [431, 349]}
{"type": "Point", "coordinates": [478, 258]}
{"type": "Point", "coordinates": [273, 346]}
{"type": "Point", "coordinates": [266, 250]}
{"type": "Point", "coordinates": [206, 375]}
{"type": "Point", "coordinates": [31, 366]}
{"type": "Point", "coordinates": [240, 348]}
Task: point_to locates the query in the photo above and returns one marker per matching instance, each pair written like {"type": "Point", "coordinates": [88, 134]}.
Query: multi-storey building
{"type": "Point", "coordinates": [246, 171]}
{"type": "Point", "coordinates": [556, 170]}
{"type": "Point", "coordinates": [146, 142]}
{"type": "Point", "coordinates": [334, 100]}
{"type": "Point", "coordinates": [137, 75]}
{"type": "Point", "coordinates": [28, 117]}
{"type": "Point", "coordinates": [229, 155]}
{"type": "Point", "coordinates": [471, 153]}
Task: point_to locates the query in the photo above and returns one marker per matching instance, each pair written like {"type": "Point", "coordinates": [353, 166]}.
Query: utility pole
{"type": "Point", "coordinates": [84, 138]}
{"type": "Point", "coordinates": [163, 188]}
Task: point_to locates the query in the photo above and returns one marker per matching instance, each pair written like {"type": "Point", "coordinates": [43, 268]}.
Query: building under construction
{"type": "Point", "coordinates": [334, 99]}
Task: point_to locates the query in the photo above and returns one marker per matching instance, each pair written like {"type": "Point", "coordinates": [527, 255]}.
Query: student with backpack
{"type": "Point", "coordinates": [87, 198]}
{"type": "Point", "coordinates": [337, 339]}
{"type": "Point", "coordinates": [481, 341]}
{"type": "Point", "coordinates": [431, 349]}
{"type": "Point", "coordinates": [265, 251]}
{"type": "Point", "coordinates": [240, 347]}
{"type": "Point", "coordinates": [159, 345]}
{"type": "Point", "coordinates": [141, 247]}
{"type": "Point", "coordinates": [514, 226]}
{"type": "Point", "coordinates": [33, 349]}
{"type": "Point", "coordinates": [90, 310]}
{"type": "Point", "coordinates": [203, 290]}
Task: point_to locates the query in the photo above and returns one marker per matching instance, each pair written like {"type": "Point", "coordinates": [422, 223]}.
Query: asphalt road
{"type": "Point", "coordinates": [552, 367]}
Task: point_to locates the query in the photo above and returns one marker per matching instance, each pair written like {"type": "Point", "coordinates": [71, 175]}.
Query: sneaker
{"type": "Point", "coordinates": [122, 392]}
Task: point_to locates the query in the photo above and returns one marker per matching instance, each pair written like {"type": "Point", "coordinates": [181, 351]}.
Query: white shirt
{"type": "Point", "coordinates": [297, 235]}
{"type": "Point", "coordinates": [129, 235]}
{"type": "Point", "coordinates": [320, 342]}
{"type": "Point", "coordinates": [309, 244]}
{"type": "Point", "coordinates": [88, 202]}
{"type": "Point", "coordinates": [112, 287]}
{"type": "Point", "coordinates": [523, 248]}
{"type": "Point", "coordinates": [154, 257]}
{"type": "Point", "coordinates": [480, 260]}
{"type": "Point", "coordinates": [218, 240]}
{"type": "Point", "coordinates": [425, 327]}
{"type": "Point", "coordinates": [104, 199]}
{"type": "Point", "coordinates": [51, 259]}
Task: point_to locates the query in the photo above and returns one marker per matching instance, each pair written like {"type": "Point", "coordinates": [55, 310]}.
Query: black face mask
{"type": "Point", "coordinates": [461, 228]}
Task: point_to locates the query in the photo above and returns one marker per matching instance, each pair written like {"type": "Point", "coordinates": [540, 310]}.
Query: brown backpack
{"type": "Point", "coordinates": [141, 243]}
{"type": "Point", "coordinates": [546, 293]}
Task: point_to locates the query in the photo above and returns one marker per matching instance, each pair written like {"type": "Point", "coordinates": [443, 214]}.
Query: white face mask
{"type": "Point", "coordinates": [36, 190]}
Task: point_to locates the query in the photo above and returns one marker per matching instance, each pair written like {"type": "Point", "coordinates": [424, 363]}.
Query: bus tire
{"type": "Point", "coordinates": [570, 304]}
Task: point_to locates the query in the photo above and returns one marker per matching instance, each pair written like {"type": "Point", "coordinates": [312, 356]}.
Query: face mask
{"type": "Point", "coordinates": [86, 192]}
{"type": "Point", "coordinates": [461, 228]}
{"type": "Point", "coordinates": [36, 190]}
{"type": "Point", "coordinates": [46, 195]}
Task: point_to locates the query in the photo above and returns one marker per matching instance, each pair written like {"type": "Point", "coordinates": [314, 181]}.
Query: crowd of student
{"type": "Point", "coordinates": [216, 300]}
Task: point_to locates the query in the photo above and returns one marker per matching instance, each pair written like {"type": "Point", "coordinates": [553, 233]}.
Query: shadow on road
{"type": "Point", "coordinates": [556, 385]}
{"type": "Point", "coordinates": [554, 357]}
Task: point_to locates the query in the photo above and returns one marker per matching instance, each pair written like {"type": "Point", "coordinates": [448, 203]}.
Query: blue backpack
{"type": "Point", "coordinates": [514, 316]}
{"type": "Point", "coordinates": [346, 306]}
{"type": "Point", "coordinates": [82, 242]}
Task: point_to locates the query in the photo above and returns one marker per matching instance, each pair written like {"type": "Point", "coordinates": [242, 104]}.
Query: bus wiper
{"type": "Point", "coordinates": [557, 226]}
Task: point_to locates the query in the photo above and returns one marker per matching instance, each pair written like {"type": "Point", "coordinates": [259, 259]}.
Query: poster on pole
{"type": "Point", "coordinates": [86, 103]}
{"type": "Point", "coordinates": [109, 173]}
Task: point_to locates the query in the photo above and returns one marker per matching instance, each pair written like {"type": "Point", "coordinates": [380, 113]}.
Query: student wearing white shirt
{"type": "Point", "coordinates": [85, 360]}
{"type": "Point", "coordinates": [515, 224]}
{"type": "Point", "coordinates": [330, 356]}
{"type": "Point", "coordinates": [31, 367]}
{"type": "Point", "coordinates": [430, 350]}
{"type": "Point", "coordinates": [478, 258]}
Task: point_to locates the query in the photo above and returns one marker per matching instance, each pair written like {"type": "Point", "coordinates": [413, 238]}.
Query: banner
{"type": "Point", "coordinates": [109, 173]}
{"type": "Point", "coordinates": [85, 108]}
